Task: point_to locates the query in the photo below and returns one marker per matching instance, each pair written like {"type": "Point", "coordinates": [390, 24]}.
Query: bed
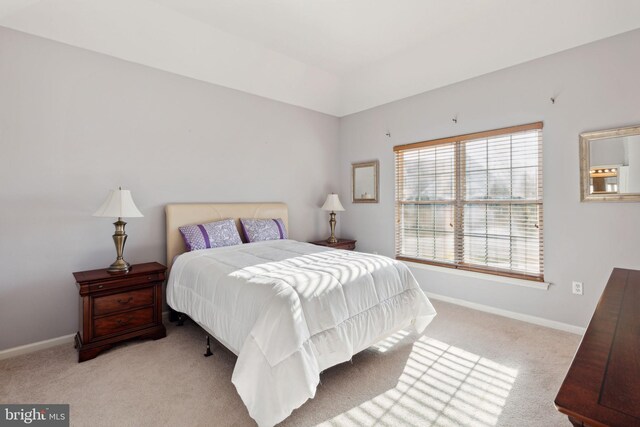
{"type": "Point", "coordinates": [287, 309]}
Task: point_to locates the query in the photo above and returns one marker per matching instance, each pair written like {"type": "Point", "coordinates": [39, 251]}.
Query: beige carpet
{"type": "Point", "coordinates": [469, 368]}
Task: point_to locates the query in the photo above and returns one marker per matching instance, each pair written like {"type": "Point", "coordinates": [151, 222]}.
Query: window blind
{"type": "Point", "coordinates": [473, 201]}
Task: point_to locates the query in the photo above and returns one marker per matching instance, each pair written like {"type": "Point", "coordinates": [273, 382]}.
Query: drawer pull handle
{"type": "Point", "coordinates": [124, 322]}
{"type": "Point", "coordinates": [100, 286]}
{"type": "Point", "coordinates": [149, 277]}
{"type": "Point", "coordinates": [127, 301]}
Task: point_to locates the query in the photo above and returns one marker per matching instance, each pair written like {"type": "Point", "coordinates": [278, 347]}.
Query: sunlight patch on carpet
{"type": "Point", "coordinates": [441, 385]}
{"type": "Point", "coordinates": [386, 344]}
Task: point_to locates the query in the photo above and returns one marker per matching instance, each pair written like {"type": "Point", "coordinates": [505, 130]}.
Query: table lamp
{"type": "Point", "coordinates": [332, 204]}
{"type": "Point", "coordinates": [119, 204]}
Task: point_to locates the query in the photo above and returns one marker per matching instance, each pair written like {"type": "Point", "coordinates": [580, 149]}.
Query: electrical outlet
{"type": "Point", "coordinates": [577, 288]}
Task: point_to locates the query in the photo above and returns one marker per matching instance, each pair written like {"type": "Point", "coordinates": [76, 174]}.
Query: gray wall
{"type": "Point", "coordinates": [596, 87]}
{"type": "Point", "coordinates": [74, 124]}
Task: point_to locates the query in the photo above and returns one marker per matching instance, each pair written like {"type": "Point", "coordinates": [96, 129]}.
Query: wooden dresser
{"type": "Point", "coordinates": [602, 387]}
{"type": "Point", "coordinates": [118, 307]}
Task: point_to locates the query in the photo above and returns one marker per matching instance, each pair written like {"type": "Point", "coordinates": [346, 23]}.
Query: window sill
{"type": "Point", "coordinates": [482, 276]}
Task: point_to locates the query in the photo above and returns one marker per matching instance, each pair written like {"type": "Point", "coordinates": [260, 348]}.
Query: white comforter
{"type": "Point", "coordinates": [290, 309]}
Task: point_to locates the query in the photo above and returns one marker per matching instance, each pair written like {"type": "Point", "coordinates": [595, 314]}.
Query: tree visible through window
{"type": "Point", "coordinates": [473, 201]}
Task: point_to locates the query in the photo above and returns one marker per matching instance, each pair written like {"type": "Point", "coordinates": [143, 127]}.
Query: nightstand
{"type": "Point", "coordinates": [118, 307]}
{"type": "Point", "coordinates": [347, 244]}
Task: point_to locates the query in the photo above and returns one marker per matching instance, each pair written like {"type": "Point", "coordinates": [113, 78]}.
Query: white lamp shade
{"type": "Point", "coordinates": [332, 203]}
{"type": "Point", "coordinates": [119, 204]}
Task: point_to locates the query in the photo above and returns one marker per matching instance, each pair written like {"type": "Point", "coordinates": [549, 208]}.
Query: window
{"type": "Point", "coordinates": [473, 202]}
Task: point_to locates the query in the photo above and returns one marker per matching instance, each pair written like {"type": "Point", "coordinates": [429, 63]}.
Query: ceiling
{"type": "Point", "coordinates": [333, 56]}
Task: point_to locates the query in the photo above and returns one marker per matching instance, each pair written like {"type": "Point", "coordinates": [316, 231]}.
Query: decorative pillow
{"type": "Point", "coordinates": [257, 230]}
{"type": "Point", "coordinates": [210, 235]}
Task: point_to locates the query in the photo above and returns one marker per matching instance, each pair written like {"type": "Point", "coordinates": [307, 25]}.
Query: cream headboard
{"type": "Point", "coordinates": [181, 214]}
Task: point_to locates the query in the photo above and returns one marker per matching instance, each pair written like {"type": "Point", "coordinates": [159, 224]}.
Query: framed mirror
{"type": "Point", "coordinates": [364, 182]}
{"type": "Point", "coordinates": [610, 165]}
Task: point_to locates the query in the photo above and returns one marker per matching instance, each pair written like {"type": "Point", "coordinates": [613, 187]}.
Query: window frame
{"type": "Point", "coordinates": [460, 201]}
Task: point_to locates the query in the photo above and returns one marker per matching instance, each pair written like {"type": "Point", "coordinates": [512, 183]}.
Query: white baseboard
{"type": "Point", "coordinates": [510, 314]}
{"type": "Point", "coordinates": [41, 345]}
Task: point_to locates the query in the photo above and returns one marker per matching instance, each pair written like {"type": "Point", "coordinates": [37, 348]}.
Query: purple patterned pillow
{"type": "Point", "coordinates": [210, 235]}
{"type": "Point", "coordinates": [257, 230]}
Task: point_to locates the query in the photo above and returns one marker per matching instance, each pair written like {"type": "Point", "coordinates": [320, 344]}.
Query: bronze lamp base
{"type": "Point", "coordinates": [119, 238]}
{"type": "Point", "coordinates": [332, 224]}
{"type": "Point", "coordinates": [119, 266]}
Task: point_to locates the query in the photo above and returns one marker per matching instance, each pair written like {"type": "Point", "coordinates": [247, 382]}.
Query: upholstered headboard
{"type": "Point", "coordinates": [181, 214]}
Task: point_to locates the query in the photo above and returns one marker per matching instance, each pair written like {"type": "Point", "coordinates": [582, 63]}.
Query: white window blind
{"type": "Point", "coordinates": [473, 201]}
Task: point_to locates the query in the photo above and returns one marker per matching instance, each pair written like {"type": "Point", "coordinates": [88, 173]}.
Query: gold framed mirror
{"type": "Point", "coordinates": [610, 165]}
{"type": "Point", "coordinates": [364, 182]}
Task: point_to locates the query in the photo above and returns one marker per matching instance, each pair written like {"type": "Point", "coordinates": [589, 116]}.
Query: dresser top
{"type": "Point", "coordinates": [102, 273]}
{"type": "Point", "coordinates": [602, 386]}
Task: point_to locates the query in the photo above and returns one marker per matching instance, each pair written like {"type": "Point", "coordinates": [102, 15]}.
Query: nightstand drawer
{"type": "Point", "coordinates": [108, 325]}
{"type": "Point", "coordinates": [122, 301]}
{"type": "Point", "coordinates": [124, 281]}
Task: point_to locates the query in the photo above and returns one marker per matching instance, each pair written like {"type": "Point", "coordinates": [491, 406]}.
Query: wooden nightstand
{"type": "Point", "coordinates": [118, 307]}
{"type": "Point", "coordinates": [347, 244]}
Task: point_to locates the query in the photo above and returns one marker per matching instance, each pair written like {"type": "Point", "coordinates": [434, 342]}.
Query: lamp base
{"type": "Point", "coordinates": [332, 224]}
{"type": "Point", "coordinates": [119, 238]}
{"type": "Point", "coordinates": [119, 266]}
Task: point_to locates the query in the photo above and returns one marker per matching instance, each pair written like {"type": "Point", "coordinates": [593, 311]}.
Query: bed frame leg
{"type": "Point", "coordinates": [181, 317]}
{"type": "Point", "coordinates": [208, 352]}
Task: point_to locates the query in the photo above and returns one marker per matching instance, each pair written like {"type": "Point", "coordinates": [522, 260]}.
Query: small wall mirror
{"type": "Point", "coordinates": [364, 178]}
{"type": "Point", "coordinates": [610, 165]}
